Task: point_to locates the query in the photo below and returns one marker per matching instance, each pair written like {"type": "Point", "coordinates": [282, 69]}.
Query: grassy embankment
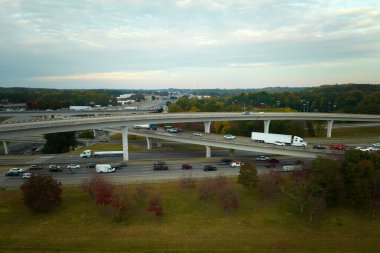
{"type": "Point", "coordinates": [357, 132]}
{"type": "Point", "coordinates": [188, 225]}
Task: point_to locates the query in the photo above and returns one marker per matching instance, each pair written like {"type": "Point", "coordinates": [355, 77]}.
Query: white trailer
{"type": "Point", "coordinates": [289, 168]}
{"type": "Point", "coordinates": [271, 138]}
{"type": "Point", "coordinates": [145, 126]}
{"type": "Point", "coordinates": [89, 153]}
{"type": "Point", "coordinates": [80, 108]}
{"type": "Point", "coordinates": [104, 168]}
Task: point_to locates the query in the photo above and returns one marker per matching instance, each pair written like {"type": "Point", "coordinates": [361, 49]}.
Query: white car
{"type": "Point", "coordinates": [236, 164]}
{"type": "Point", "coordinates": [27, 175]}
{"type": "Point", "coordinates": [73, 166]}
{"type": "Point", "coordinates": [364, 148]}
{"type": "Point", "coordinates": [279, 143]}
{"type": "Point", "coordinates": [229, 137]}
{"type": "Point", "coordinates": [16, 170]}
{"type": "Point", "coordinates": [262, 158]}
{"type": "Point", "coordinates": [197, 134]}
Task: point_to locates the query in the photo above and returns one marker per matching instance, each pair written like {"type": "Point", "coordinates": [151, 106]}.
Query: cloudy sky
{"type": "Point", "coordinates": [143, 44]}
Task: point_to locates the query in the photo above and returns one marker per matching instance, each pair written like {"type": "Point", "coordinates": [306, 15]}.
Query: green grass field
{"type": "Point", "coordinates": [357, 132]}
{"type": "Point", "coordinates": [188, 225]}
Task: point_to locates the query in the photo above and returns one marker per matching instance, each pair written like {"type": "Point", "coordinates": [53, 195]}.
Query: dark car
{"type": "Point", "coordinates": [317, 146]}
{"type": "Point", "coordinates": [225, 161]}
{"type": "Point", "coordinates": [35, 167]}
{"type": "Point", "coordinates": [270, 165]}
{"type": "Point", "coordinates": [91, 165]}
{"type": "Point", "coordinates": [209, 167]}
{"type": "Point", "coordinates": [273, 160]}
{"type": "Point", "coordinates": [12, 174]}
{"type": "Point", "coordinates": [123, 164]}
{"type": "Point", "coordinates": [159, 165]}
{"type": "Point", "coordinates": [186, 166]}
{"type": "Point", "coordinates": [118, 166]}
{"type": "Point", "coordinates": [54, 168]}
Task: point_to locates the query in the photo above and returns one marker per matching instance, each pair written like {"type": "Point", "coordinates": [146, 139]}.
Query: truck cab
{"type": "Point", "coordinates": [86, 154]}
{"type": "Point", "coordinates": [299, 142]}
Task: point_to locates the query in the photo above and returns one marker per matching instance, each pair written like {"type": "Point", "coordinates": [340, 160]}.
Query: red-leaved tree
{"type": "Point", "coordinates": [41, 193]}
{"type": "Point", "coordinates": [229, 199]}
{"type": "Point", "coordinates": [155, 206]}
{"type": "Point", "coordinates": [99, 188]}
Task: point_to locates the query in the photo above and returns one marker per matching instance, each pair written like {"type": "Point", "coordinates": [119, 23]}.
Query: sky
{"type": "Point", "coordinates": [146, 44]}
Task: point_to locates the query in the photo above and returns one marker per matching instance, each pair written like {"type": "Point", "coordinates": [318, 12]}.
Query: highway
{"type": "Point", "coordinates": [142, 171]}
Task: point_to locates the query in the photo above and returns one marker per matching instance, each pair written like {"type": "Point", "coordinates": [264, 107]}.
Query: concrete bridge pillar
{"type": "Point", "coordinates": [5, 144]}
{"type": "Point", "coordinates": [207, 126]}
{"type": "Point", "coordinates": [159, 143]}
{"type": "Point", "coordinates": [124, 134]}
{"type": "Point", "coordinates": [329, 128]}
{"type": "Point", "coordinates": [208, 151]}
{"type": "Point", "coordinates": [266, 126]}
{"type": "Point", "coordinates": [232, 153]}
{"type": "Point", "coordinates": [207, 130]}
{"type": "Point", "coordinates": [96, 133]}
{"type": "Point", "coordinates": [149, 143]}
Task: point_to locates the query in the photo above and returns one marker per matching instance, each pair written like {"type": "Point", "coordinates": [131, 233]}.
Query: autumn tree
{"type": "Point", "coordinates": [229, 200]}
{"type": "Point", "coordinates": [100, 189]}
{"type": "Point", "coordinates": [268, 184]}
{"type": "Point", "coordinates": [206, 189]}
{"type": "Point", "coordinates": [41, 193]}
{"type": "Point", "coordinates": [248, 176]}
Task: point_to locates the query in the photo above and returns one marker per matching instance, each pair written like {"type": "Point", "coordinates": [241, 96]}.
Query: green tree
{"type": "Point", "coordinates": [297, 187]}
{"type": "Point", "coordinates": [59, 142]}
{"type": "Point", "coordinates": [248, 176]}
{"type": "Point", "coordinates": [361, 172]}
{"type": "Point", "coordinates": [327, 180]}
{"type": "Point", "coordinates": [41, 193]}
{"type": "Point", "coordinates": [89, 134]}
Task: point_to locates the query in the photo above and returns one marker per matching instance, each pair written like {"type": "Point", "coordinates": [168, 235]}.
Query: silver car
{"type": "Point", "coordinates": [229, 137]}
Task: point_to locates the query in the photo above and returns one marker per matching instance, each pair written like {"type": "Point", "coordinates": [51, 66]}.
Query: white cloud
{"type": "Point", "coordinates": [107, 76]}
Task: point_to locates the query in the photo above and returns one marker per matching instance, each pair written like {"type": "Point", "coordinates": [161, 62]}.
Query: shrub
{"type": "Point", "coordinates": [155, 206]}
{"type": "Point", "coordinates": [41, 193]}
{"type": "Point", "coordinates": [99, 188]}
{"type": "Point", "coordinates": [268, 185]}
{"type": "Point", "coordinates": [187, 182]}
{"type": "Point", "coordinates": [228, 198]}
{"type": "Point", "coordinates": [206, 189]}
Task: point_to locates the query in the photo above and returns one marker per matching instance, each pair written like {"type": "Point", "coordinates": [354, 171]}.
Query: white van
{"type": "Point", "coordinates": [106, 168]}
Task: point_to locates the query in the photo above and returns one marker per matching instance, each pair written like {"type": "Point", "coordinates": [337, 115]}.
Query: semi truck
{"type": "Point", "coordinates": [145, 126]}
{"type": "Point", "coordinates": [104, 168]}
{"type": "Point", "coordinates": [88, 153]}
{"type": "Point", "coordinates": [283, 138]}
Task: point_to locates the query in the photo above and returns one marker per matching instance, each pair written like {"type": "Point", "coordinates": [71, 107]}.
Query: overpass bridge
{"type": "Point", "coordinates": [240, 143]}
{"type": "Point", "coordinates": [124, 123]}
